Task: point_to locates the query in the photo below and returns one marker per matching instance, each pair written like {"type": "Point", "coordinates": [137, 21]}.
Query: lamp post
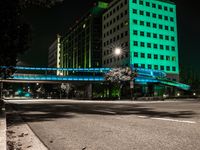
{"type": "Point", "coordinates": [118, 52]}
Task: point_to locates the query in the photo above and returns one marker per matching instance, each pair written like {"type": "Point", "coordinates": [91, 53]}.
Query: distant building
{"type": "Point", "coordinates": [145, 31]}
{"type": "Point", "coordinates": [54, 53]}
{"type": "Point", "coordinates": [81, 46]}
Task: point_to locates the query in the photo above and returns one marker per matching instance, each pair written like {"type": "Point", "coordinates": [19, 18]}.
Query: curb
{"type": "Point", "coordinates": [3, 144]}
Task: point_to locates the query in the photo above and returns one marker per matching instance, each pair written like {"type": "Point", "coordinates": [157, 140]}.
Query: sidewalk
{"type": "Point", "coordinates": [16, 134]}
{"type": "Point", "coordinates": [2, 129]}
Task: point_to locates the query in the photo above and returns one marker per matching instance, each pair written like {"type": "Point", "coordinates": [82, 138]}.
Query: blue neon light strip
{"type": "Point", "coordinates": [64, 69]}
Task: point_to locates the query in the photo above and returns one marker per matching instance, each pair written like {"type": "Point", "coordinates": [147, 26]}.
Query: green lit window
{"type": "Point", "coordinates": [141, 2]}
{"type": "Point", "coordinates": [155, 56]}
{"type": "Point", "coordinates": [142, 23]}
{"type": "Point", "coordinates": [171, 19]}
{"type": "Point", "coordinates": [135, 21]}
{"type": "Point", "coordinates": [160, 36]}
{"type": "Point", "coordinates": [135, 11]}
{"type": "Point", "coordinates": [142, 44]}
{"type": "Point", "coordinates": [149, 45]}
{"type": "Point", "coordinates": [149, 67]}
{"type": "Point", "coordinates": [168, 68]}
{"type": "Point", "coordinates": [161, 67]}
{"type": "Point", "coordinates": [173, 48]}
{"type": "Point", "coordinates": [135, 32]}
{"type": "Point", "coordinates": [173, 58]}
{"type": "Point", "coordinates": [148, 24]}
{"type": "Point", "coordinates": [154, 35]}
{"type": "Point", "coordinates": [147, 4]}
{"type": "Point", "coordinates": [166, 17]}
{"type": "Point", "coordinates": [148, 34]}
{"type": "Point", "coordinates": [141, 33]}
{"type": "Point", "coordinates": [161, 47]}
{"type": "Point", "coordinates": [135, 43]}
{"type": "Point", "coordinates": [154, 25]}
{"type": "Point", "coordinates": [135, 54]}
{"type": "Point", "coordinates": [134, 1]}
{"type": "Point", "coordinates": [167, 47]}
{"type": "Point", "coordinates": [149, 56]}
{"type": "Point", "coordinates": [147, 14]}
{"type": "Point", "coordinates": [135, 65]}
{"type": "Point", "coordinates": [142, 55]}
{"type": "Point", "coordinates": [160, 16]}
{"type": "Point", "coordinates": [155, 46]}
{"type": "Point", "coordinates": [141, 12]}
{"type": "Point", "coordinates": [142, 65]}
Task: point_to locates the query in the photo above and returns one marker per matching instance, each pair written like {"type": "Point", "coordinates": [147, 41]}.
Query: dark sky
{"type": "Point", "coordinates": [47, 22]}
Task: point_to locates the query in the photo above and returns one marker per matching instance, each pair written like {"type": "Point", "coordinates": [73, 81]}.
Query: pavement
{"type": "Point", "coordinates": [15, 135]}
{"type": "Point", "coordinates": [2, 129]}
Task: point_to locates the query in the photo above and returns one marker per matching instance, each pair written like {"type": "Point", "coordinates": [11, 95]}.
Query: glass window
{"type": "Point", "coordinates": [161, 57]}
{"type": "Point", "coordinates": [142, 23]}
{"type": "Point", "coordinates": [142, 44]}
{"type": "Point", "coordinates": [135, 32]}
{"type": "Point", "coordinates": [148, 55]}
{"type": "Point", "coordinates": [141, 12]}
{"type": "Point", "coordinates": [142, 65]}
{"type": "Point", "coordinates": [142, 55]}
{"type": "Point", "coordinates": [153, 5]}
{"type": "Point", "coordinates": [155, 56]}
{"type": "Point", "coordinates": [168, 68]}
{"type": "Point", "coordinates": [134, 1]}
{"type": "Point", "coordinates": [161, 67]}
{"type": "Point", "coordinates": [135, 54]}
{"type": "Point", "coordinates": [135, 21]}
{"type": "Point", "coordinates": [141, 33]}
{"type": "Point", "coordinates": [148, 24]}
{"type": "Point", "coordinates": [149, 67]}
{"type": "Point", "coordinates": [135, 43]}
{"type": "Point", "coordinates": [135, 11]}
{"type": "Point", "coordinates": [159, 7]}
{"type": "Point", "coordinates": [156, 67]}
{"type": "Point", "coordinates": [173, 68]}
{"type": "Point", "coordinates": [147, 13]}
{"type": "Point", "coordinates": [147, 4]}
{"type": "Point", "coordinates": [154, 15]}
{"type": "Point", "coordinates": [141, 2]}
{"type": "Point", "coordinates": [149, 45]}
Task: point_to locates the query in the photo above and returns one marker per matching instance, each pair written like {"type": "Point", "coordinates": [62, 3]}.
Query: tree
{"type": "Point", "coordinates": [15, 33]}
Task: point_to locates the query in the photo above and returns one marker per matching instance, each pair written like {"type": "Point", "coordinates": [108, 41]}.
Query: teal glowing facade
{"type": "Point", "coordinates": [153, 35]}
{"type": "Point", "coordinates": [152, 41]}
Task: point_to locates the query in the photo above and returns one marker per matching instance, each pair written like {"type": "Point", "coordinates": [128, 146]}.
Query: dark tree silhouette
{"type": "Point", "coordinates": [15, 33]}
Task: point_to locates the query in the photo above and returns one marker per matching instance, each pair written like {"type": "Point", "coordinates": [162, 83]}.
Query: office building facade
{"type": "Point", "coordinates": [146, 33]}
{"type": "Point", "coordinates": [81, 45]}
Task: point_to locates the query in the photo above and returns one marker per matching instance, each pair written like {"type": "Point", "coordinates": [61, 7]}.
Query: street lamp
{"type": "Point", "coordinates": [118, 52]}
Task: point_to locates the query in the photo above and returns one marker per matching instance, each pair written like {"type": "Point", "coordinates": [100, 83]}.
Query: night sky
{"type": "Point", "coordinates": [47, 22]}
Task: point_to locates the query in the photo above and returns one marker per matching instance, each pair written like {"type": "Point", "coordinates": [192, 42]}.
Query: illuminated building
{"type": "Point", "coordinates": [81, 45]}
{"type": "Point", "coordinates": [146, 32]}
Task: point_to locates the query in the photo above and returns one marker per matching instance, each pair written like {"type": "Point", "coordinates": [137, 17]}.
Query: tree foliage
{"type": "Point", "coordinates": [15, 33]}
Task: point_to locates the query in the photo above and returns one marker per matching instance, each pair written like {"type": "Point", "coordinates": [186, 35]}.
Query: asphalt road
{"type": "Point", "coordinates": [75, 125]}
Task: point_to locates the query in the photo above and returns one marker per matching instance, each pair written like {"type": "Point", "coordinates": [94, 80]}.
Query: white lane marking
{"type": "Point", "coordinates": [167, 119]}
{"type": "Point", "coordinates": [174, 120]}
